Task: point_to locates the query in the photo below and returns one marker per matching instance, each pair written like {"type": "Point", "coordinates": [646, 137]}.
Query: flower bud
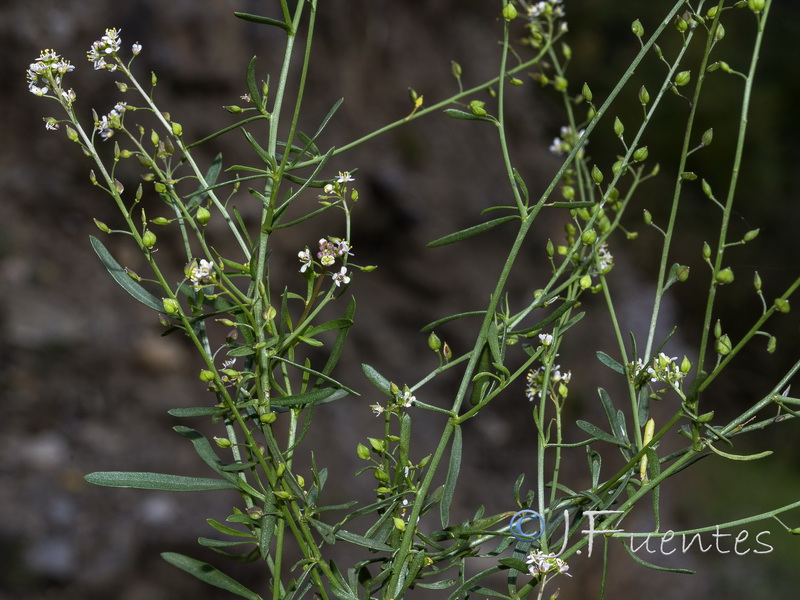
{"type": "Point", "coordinates": [751, 235]}
{"type": "Point", "coordinates": [648, 218]}
{"type": "Point", "coordinates": [644, 95]}
{"type": "Point", "coordinates": [597, 175]}
{"type": "Point", "coordinates": [362, 452]}
{"type": "Point", "coordinates": [706, 251]}
{"type": "Point", "coordinates": [637, 29]}
{"type": "Point", "coordinates": [233, 109]}
{"type": "Point", "coordinates": [102, 226]}
{"type": "Point", "coordinates": [724, 276]}
{"type": "Point", "coordinates": [203, 215]}
{"type": "Point", "coordinates": [706, 189]}
{"type": "Point", "coordinates": [153, 79]}
{"type": "Point", "coordinates": [456, 69]}
{"type": "Point", "coordinates": [568, 192]}
{"type": "Point", "coordinates": [772, 344]}
{"type": "Point", "coordinates": [619, 128]}
{"type": "Point", "coordinates": [434, 343]}
{"type": "Point", "coordinates": [222, 442]}
{"type": "Point", "coordinates": [757, 282]}
{"type": "Point", "coordinates": [708, 136]}
{"type": "Point", "coordinates": [72, 134]}
{"type": "Point", "coordinates": [723, 345]}
{"type": "Point", "coordinates": [782, 305]}
{"type": "Point", "coordinates": [149, 239]}
{"type": "Point", "coordinates": [550, 248]}
{"type": "Point", "coordinates": [160, 221]}
{"type": "Point", "coordinates": [756, 5]}
{"type": "Point", "coordinates": [586, 92]}
{"type": "Point", "coordinates": [399, 523]}
{"type": "Point", "coordinates": [640, 154]}
{"type": "Point", "coordinates": [154, 138]}
{"type": "Point", "coordinates": [705, 417]}
{"type": "Point", "coordinates": [683, 78]}
{"type": "Point", "coordinates": [177, 129]}
{"type": "Point", "coordinates": [717, 329]}
{"type": "Point", "coordinates": [686, 365]}
{"type": "Point", "coordinates": [560, 83]}
{"type": "Point", "coordinates": [509, 12]}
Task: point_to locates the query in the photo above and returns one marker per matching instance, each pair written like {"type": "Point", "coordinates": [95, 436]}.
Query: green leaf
{"type": "Point", "coordinates": [556, 314]}
{"type": "Point", "coordinates": [196, 411]}
{"type": "Point", "coordinates": [312, 397]}
{"type": "Point", "coordinates": [470, 232]}
{"type": "Point", "coordinates": [644, 563]}
{"type": "Point", "coordinates": [595, 431]}
{"type": "Point", "coordinates": [158, 481]}
{"type": "Point", "coordinates": [121, 277]}
{"type": "Point", "coordinates": [454, 113]}
{"type": "Point", "coordinates": [514, 563]}
{"type": "Point", "coordinates": [212, 543]}
{"type": "Point", "coordinates": [263, 20]}
{"type": "Point", "coordinates": [228, 530]}
{"type": "Point", "coordinates": [610, 363]}
{"type": "Point", "coordinates": [435, 324]}
{"type": "Point", "coordinates": [210, 179]}
{"type": "Point", "coordinates": [608, 408]}
{"type": "Point", "coordinates": [210, 575]}
{"type": "Point", "coordinates": [204, 450]}
{"type": "Point", "coordinates": [451, 478]}
{"type": "Point", "coordinates": [740, 456]}
{"type": "Point", "coordinates": [252, 86]}
{"type": "Point", "coordinates": [376, 379]}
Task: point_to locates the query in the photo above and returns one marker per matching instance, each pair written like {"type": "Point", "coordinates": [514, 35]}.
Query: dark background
{"type": "Point", "coordinates": [87, 380]}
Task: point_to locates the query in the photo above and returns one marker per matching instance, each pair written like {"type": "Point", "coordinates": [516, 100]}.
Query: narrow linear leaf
{"type": "Point", "coordinates": [595, 431]}
{"type": "Point", "coordinates": [608, 408]}
{"type": "Point", "coordinates": [644, 563]}
{"type": "Point", "coordinates": [470, 232]}
{"type": "Point", "coordinates": [262, 20]}
{"type": "Point", "coordinates": [451, 479]}
{"type": "Point", "coordinates": [158, 481]}
{"type": "Point", "coordinates": [121, 277]}
{"type": "Point", "coordinates": [435, 324]}
{"type": "Point", "coordinates": [454, 113]}
{"type": "Point", "coordinates": [204, 450]}
{"type": "Point", "coordinates": [610, 363]}
{"type": "Point", "coordinates": [195, 411]}
{"type": "Point", "coordinates": [302, 399]}
{"type": "Point", "coordinates": [556, 314]}
{"type": "Point", "coordinates": [210, 179]}
{"type": "Point", "coordinates": [376, 379]}
{"type": "Point", "coordinates": [210, 575]}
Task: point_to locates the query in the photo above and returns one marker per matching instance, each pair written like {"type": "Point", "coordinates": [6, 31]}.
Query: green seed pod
{"type": "Point", "coordinates": [153, 79]}
{"type": "Point", "coordinates": [268, 418]}
{"type": "Point", "coordinates": [717, 329]}
{"type": "Point", "coordinates": [619, 128]}
{"type": "Point", "coordinates": [757, 282]}
{"type": "Point", "coordinates": [171, 306]}
{"type": "Point", "coordinates": [203, 215]}
{"type": "Point", "coordinates": [782, 305]}
{"type": "Point", "coordinates": [362, 452]}
{"type": "Point", "coordinates": [589, 237]}
{"type": "Point", "coordinates": [456, 69]}
{"type": "Point", "coordinates": [719, 33]}
{"type": "Point", "coordinates": [509, 12]}
{"type": "Point", "coordinates": [686, 365]}
{"type": "Point", "coordinates": [637, 29]}
{"type": "Point", "coordinates": [723, 345]}
{"type": "Point", "coordinates": [705, 417]}
{"type": "Point", "coordinates": [514, 81]}
{"type": "Point", "coordinates": [706, 251]}
{"type": "Point", "coordinates": [72, 134]}
{"type": "Point", "coordinates": [724, 277]}
{"type": "Point", "coordinates": [222, 442]}
{"type": "Point", "coordinates": [597, 175]}
{"type": "Point", "coordinates": [585, 282]}
{"type": "Point", "coordinates": [149, 239]}
{"type": "Point", "coordinates": [381, 476]}
{"type": "Point", "coordinates": [683, 78]}
{"type": "Point", "coordinates": [706, 189]}
{"type": "Point", "coordinates": [377, 445]}
{"type": "Point", "coordinates": [206, 376]}
{"type": "Point", "coordinates": [154, 138]}
{"type": "Point", "coordinates": [756, 5]}
{"type": "Point", "coordinates": [712, 12]}
{"type": "Point", "coordinates": [399, 523]}
{"type": "Point", "coordinates": [560, 83]}
{"type": "Point", "coordinates": [177, 129]}
{"type": "Point", "coordinates": [550, 248]}
{"type": "Point", "coordinates": [648, 218]}
{"type": "Point", "coordinates": [640, 154]}
{"type": "Point", "coordinates": [708, 136]}
{"type": "Point", "coordinates": [681, 25]}
{"type": "Point", "coordinates": [568, 192]}
{"type": "Point", "coordinates": [160, 221]}
{"type": "Point", "coordinates": [233, 109]}
{"type": "Point", "coordinates": [102, 226]}
{"type": "Point", "coordinates": [567, 51]}
{"type": "Point", "coordinates": [446, 351]}
{"type": "Point", "coordinates": [751, 235]}
{"type": "Point", "coordinates": [476, 107]}
{"type": "Point", "coordinates": [682, 273]}
{"type": "Point", "coordinates": [301, 480]}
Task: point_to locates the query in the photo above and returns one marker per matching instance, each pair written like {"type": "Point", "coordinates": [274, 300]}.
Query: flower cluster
{"type": "Point", "coordinates": [558, 381]}
{"type": "Point", "coordinates": [565, 143]}
{"type": "Point", "coordinates": [329, 250]}
{"type": "Point", "coordinates": [107, 124]}
{"type": "Point", "coordinates": [605, 261]}
{"type": "Point", "coordinates": [547, 8]}
{"type": "Point", "coordinates": [200, 274]}
{"type": "Point", "coordinates": [540, 563]}
{"type": "Point", "coordinates": [402, 399]}
{"type": "Point", "coordinates": [47, 72]}
{"type": "Point", "coordinates": [663, 369]}
{"type": "Point", "coordinates": [105, 48]}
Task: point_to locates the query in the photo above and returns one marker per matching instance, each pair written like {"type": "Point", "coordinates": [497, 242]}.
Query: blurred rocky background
{"type": "Point", "coordinates": [87, 379]}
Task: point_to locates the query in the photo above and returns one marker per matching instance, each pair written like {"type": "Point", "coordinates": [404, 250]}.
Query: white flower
{"type": "Point", "coordinates": [540, 563]}
{"type": "Point", "coordinates": [546, 339]}
{"type": "Point", "coordinates": [305, 258]}
{"type": "Point", "coordinates": [344, 177]}
{"type": "Point", "coordinates": [343, 247]}
{"type": "Point", "coordinates": [328, 189]}
{"type": "Point", "coordinates": [407, 399]}
{"type": "Point", "coordinates": [201, 273]}
{"type": "Point", "coordinates": [107, 46]}
{"type": "Point", "coordinates": [136, 48]}
{"type": "Point", "coordinates": [341, 277]}
{"type": "Point", "coordinates": [51, 124]}
{"type": "Point", "coordinates": [377, 409]}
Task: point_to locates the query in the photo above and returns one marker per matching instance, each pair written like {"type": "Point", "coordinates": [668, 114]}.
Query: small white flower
{"type": "Point", "coordinates": [377, 409]}
{"type": "Point", "coordinates": [344, 177]}
{"type": "Point", "coordinates": [341, 277]}
{"type": "Point", "coordinates": [136, 48]}
{"type": "Point", "coordinates": [201, 273]}
{"type": "Point", "coordinates": [407, 399]}
{"type": "Point", "coordinates": [546, 339]}
{"type": "Point", "coordinates": [305, 258]}
{"type": "Point", "coordinates": [51, 124]}
{"type": "Point", "coordinates": [328, 189]}
{"type": "Point", "coordinates": [343, 247]}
